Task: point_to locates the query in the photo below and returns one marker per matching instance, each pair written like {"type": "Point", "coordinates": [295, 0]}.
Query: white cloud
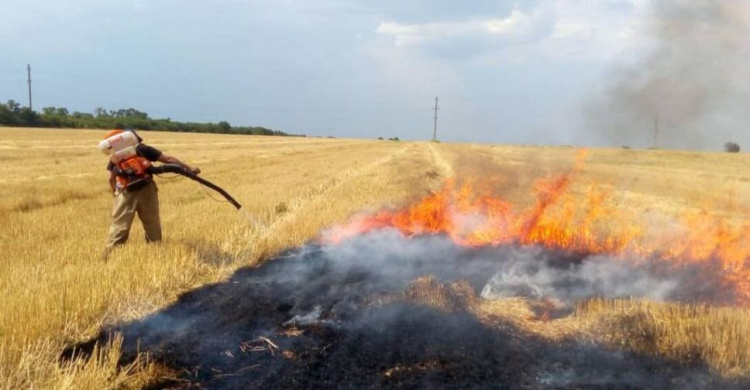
{"type": "Point", "coordinates": [516, 23]}
{"type": "Point", "coordinates": [415, 34]}
{"type": "Point", "coordinates": [595, 30]}
{"type": "Point", "coordinates": [572, 29]}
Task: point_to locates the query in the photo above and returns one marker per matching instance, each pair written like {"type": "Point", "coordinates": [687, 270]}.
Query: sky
{"type": "Point", "coordinates": [517, 72]}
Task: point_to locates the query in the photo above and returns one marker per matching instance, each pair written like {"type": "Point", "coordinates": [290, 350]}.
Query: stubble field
{"type": "Point", "coordinates": [55, 206]}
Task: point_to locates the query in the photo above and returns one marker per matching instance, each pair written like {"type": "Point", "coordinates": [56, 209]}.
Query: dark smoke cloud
{"type": "Point", "coordinates": [695, 81]}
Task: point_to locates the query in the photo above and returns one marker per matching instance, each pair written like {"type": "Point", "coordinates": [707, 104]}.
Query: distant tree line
{"type": "Point", "coordinates": [12, 114]}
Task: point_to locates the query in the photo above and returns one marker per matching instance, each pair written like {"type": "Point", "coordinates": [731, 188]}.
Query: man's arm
{"type": "Point", "coordinates": [167, 159]}
{"type": "Point", "coordinates": [112, 182]}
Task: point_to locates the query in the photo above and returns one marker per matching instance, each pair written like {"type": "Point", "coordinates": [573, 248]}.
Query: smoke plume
{"type": "Point", "coordinates": [693, 85]}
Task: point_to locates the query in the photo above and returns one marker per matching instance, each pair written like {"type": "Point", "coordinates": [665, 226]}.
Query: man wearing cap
{"type": "Point", "coordinates": [133, 188]}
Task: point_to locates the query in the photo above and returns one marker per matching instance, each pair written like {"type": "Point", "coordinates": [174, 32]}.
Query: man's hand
{"type": "Point", "coordinates": [195, 170]}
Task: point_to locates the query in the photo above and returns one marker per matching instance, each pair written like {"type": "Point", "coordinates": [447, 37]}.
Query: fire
{"type": "Point", "coordinates": [472, 219]}
{"type": "Point", "coordinates": [560, 218]}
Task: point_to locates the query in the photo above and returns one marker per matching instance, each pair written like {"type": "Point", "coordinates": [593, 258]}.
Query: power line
{"type": "Point", "coordinates": [434, 126]}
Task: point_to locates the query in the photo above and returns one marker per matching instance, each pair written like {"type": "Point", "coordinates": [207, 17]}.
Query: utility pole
{"type": "Point", "coordinates": [656, 131]}
{"type": "Point", "coordinates": [28, 70]}
{"type": "Point", "coordinates": [434, 127]}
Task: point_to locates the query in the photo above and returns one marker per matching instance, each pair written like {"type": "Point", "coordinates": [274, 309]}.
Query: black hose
{"type": "Point", "coordinates": [174, 168]}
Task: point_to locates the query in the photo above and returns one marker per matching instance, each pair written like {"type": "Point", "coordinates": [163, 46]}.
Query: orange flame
{"type": "Point", "coordinates": [557, 219]}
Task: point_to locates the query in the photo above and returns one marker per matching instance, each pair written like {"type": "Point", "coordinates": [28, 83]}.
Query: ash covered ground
{"type": "Point", "coordinates": [341, 317]}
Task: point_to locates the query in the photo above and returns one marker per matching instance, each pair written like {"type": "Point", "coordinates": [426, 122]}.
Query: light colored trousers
{"type": "Point", "coordinates": [145, 202]}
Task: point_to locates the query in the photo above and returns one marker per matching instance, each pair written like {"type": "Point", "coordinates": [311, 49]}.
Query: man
{"type": "Point", "coordinates": [136, 193]}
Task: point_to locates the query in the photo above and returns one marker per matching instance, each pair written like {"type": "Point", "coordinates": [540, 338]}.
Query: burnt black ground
{"type": "Point", "coordinates": [354, 343]}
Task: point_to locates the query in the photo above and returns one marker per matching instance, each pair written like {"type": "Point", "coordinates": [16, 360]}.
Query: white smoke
{"type": "Point", "coordinates": [527, 273]}
{"type": "Point", "coordinates": [392, 260]}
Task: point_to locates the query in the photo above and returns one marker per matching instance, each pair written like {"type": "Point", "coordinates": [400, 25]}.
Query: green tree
{"type": "Point", "coordinates": [6, 115]}
{"type": "Point", "coordinates": [11, 113]}
{"type": "Point", "coordinates": [29, 117]}
{"type": "Point", "coordinates": [224, 126]}
{"type": "Point", "coordinates": [14, 106]}
{"type": "Point", "coordinates": [100, 112]}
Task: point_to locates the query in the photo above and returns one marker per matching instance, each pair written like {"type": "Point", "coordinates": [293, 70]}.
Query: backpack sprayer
{"type": "Point", "coordinates": [133, 171]}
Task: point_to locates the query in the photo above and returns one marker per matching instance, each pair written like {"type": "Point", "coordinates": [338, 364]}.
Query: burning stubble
{"type": "Point", "coordinates": [584, 224]}
{"type": "Point", "coordinates": [690, 90]}
{"type": "Point", "coordinates": [454, 290]}
{"type": "Point", "coordinates": [385, 310]}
